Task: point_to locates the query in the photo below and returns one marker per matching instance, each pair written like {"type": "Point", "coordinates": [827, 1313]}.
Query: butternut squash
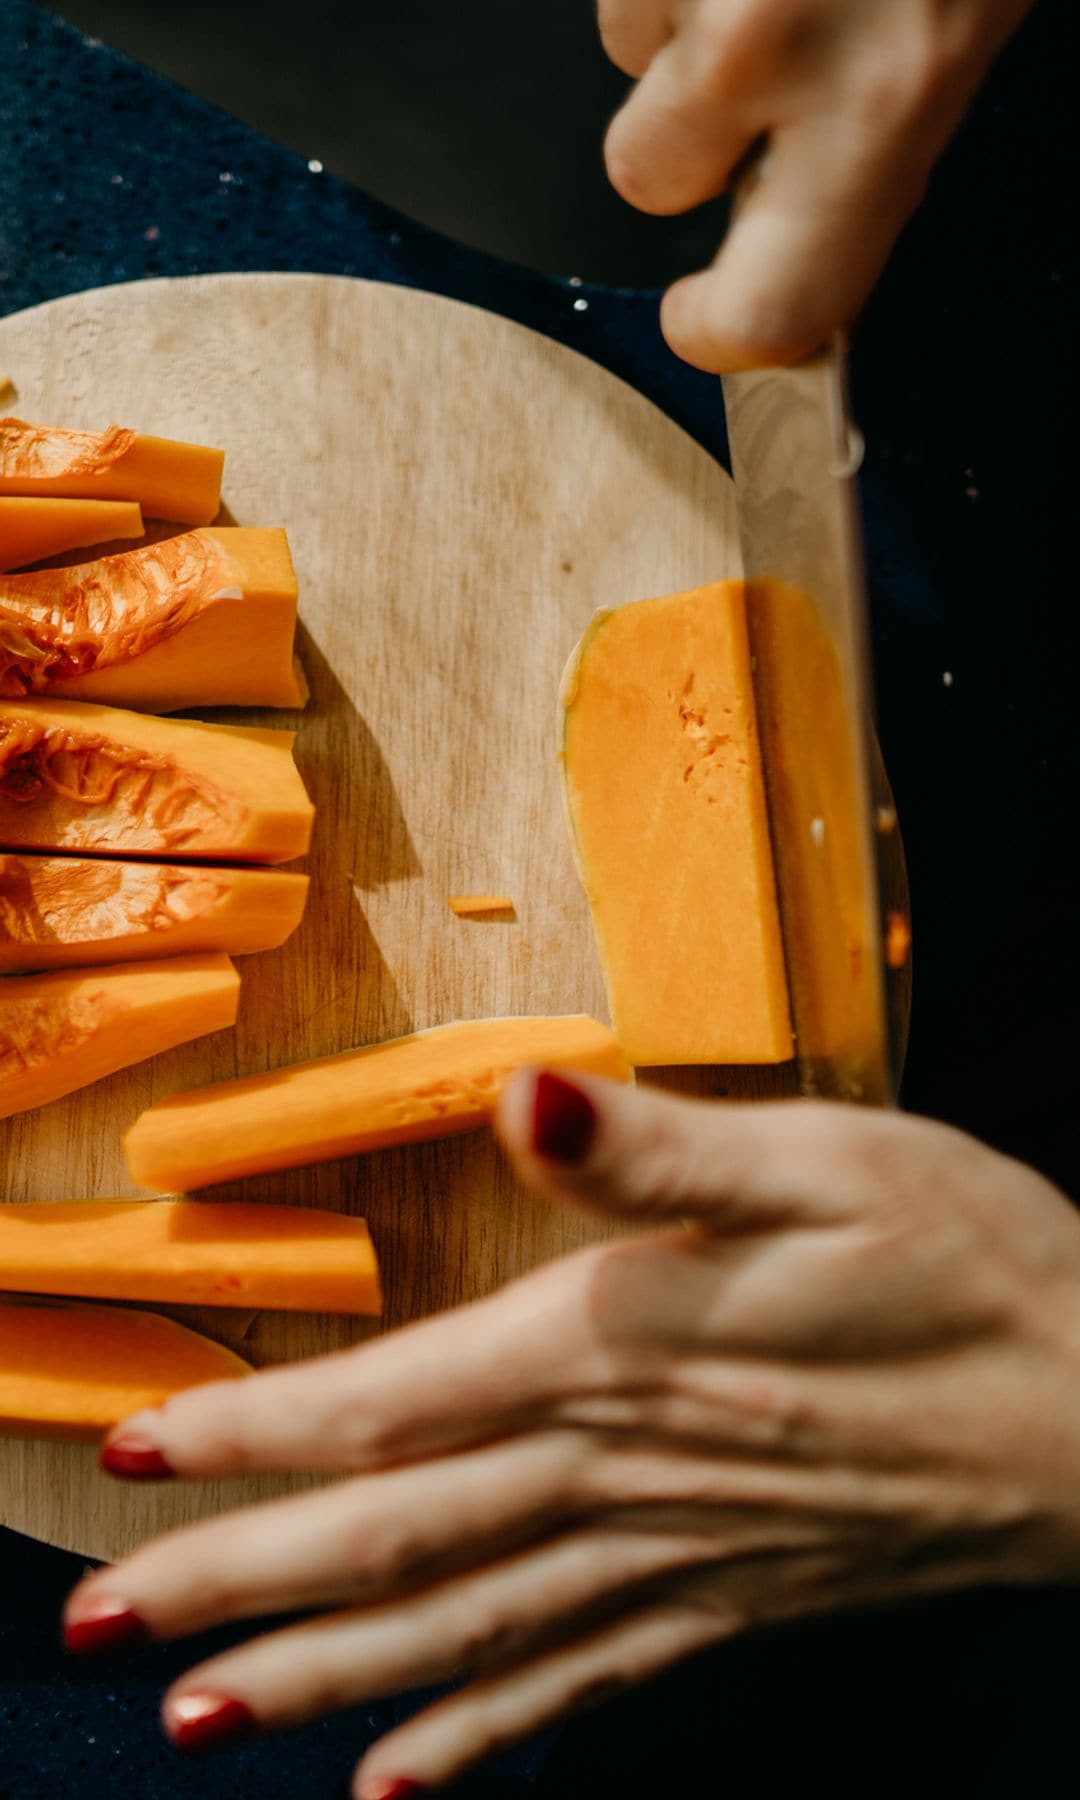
{"type": "Point", "coordinates": [31, 529]}
{"type": "Point", "coordinates": [77, 777]}
{"type": "Point", "coordinates": [424, 1086]}
{"type": "Point", "coordinates": [665, 799]}
{"type": "Point", "coordinates": [61, 1031]}
{"type": "Point", "coordinates": [59, 912]}
{"type": "Point", "coordinates": [191, 1253]}
{"type": "Point", "coordinates": [169, 479]}
{"type": "Point", "coordinates": [203, 619]}
{"type": "Point", "coordinates": [74, 1371]}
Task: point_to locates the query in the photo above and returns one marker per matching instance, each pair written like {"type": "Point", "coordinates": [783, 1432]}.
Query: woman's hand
{"type": "Point", "coordinates": [857, 99]}
{"type": "Point", "coordinates": [846, 1371]}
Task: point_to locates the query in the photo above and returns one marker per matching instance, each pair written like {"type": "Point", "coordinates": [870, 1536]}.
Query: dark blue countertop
{"type": "Point", "coordinates": [965, 378]}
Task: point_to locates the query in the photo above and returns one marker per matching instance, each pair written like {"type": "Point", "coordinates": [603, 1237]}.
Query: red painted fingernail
{"type": "Point", "coordinates": [564, 1120]}
{"type": "Point", "coordinates": [209, 1721]}
{"type": "Point", "coordinates": [135, 1458]}
{"type": "Point", "coordinates": [105, 1625]}
{"type": "Point", "coordinates": [400, 1789]}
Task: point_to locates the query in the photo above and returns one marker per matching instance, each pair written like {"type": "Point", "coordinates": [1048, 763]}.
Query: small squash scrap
{"type": "Point", "coordinates": [428, 1085]}
{"type": "Point", "coordinates": [207, 618]}
{"type": "Point", "coordinates": [191, 1253]}
{"type": "Point", "coordinates": [465, 905]}
{"type": "Point", "coordinates": [168, 479]}
{"type": "Point", "coordinates": [75, 777]}
{"type": "Point", "coordinates": [32, 529]}
{"type": "Point", "coordinates": [73, 1371]}
{"type": "Point", "coordinates": [665, 798]}
{"type": "Point", "coordinates": [61, 912]}
{"type": "Point", "coordinates": [61, 1031]}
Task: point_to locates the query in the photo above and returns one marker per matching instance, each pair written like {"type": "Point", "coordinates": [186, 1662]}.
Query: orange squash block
{"type": "Point", "coordinates": [665, 798]}
{"type": "Point", "coordinates": [32, 529]}
{"type": "Point", "coordinates": [428, 1085]}
{"type": "Point", "coordinates": [78, 778]}
{"type": "Point", "coordinates": [207, 618]}
{"type": "Point", "coordinates": [62, 912]}
{"type": "Point", "coordinates": [61, 1031]}
{"type": "Point", "coordinates": [168, 479]}
{"type": "Point", "coordinates": [73, 1371]}
{"type": "Point", "coordinates": [191, 1253]}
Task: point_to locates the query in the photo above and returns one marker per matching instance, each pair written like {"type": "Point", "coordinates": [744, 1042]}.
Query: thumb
{"type": "Point", "coordinates": [639, 1153]}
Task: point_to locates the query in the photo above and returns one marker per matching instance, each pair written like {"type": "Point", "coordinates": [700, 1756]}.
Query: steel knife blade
{"type": "Point", "coordinates": [794, 457]}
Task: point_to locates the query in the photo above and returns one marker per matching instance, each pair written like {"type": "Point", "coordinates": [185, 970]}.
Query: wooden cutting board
{"type": "Point", "coordinates": [460, 495]}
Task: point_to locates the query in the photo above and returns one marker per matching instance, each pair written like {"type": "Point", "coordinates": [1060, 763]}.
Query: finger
{"type": "Point", "coordinates": [684, 128]}
{"type": "Point", "coordinates": [488, 1716]}
{"type": "Point", "coordinates": [343, 1545]}
{"type": "Point", "coordinates": [459, 1379]}
{"type": "Point", "coordinates": [442, 1742]}
{"type": "Point", "coordinates": [633, 1151]}
{"type": "Point", "coordinates": [803, 253]}
{"type": "Point", "coordinates": [632, 31]}
{"type": "Point", "coordinates": [495, 1615]}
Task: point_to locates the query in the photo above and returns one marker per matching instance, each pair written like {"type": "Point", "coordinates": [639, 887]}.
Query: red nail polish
{"type": "Point", "coordinates": [106, 1625]}
{"type": "Point", "coordinates": [135, 1458]}
{"type": "Point", "coordinates": [401, 1789]}
{"type": "Point", "coordinates": [564, 1120]}
{"type": "Point", "coordinates": [209, 1722]}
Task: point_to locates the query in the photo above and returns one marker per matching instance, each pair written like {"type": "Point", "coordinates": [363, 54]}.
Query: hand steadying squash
{"type": "Point", "coordinates": [854, 1376]}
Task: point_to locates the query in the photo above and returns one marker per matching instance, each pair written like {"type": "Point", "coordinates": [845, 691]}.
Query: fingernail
{"type": "Point", "coordinates": [134, 1457]}
{"type": "Point", "coordinates": [564, 1120]}
{"type": "Point", "coordinates": [104, 1625]}
{"type": "Point", "coordinates": [395, 1790]}
{"type": "Point", "coordinates": [209, 1721]}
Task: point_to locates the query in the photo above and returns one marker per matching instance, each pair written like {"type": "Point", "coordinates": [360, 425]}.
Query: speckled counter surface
{"type": "Point", "coordinates": [965, 378]}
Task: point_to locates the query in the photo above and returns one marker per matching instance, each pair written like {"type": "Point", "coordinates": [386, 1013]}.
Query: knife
{"type": "Point", "coordinates": [794, 455]}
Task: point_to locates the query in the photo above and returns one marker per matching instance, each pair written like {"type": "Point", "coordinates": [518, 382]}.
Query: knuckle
{"type": "Point", "coordinates": [327, 1688]}
{"type": "Point", "coordinates": [765, 1408]}
{"type": "Point", "coordinates": [907, 79]}
{"type": "Point", "coordinates": [360, 1432]}
{"type": "Point", "coordinates": [586, 1696]}
{"type": "Point", "coordinates": [661, 1161]}
{"type": "Point", "coordinates": [619, 44]}
{"type": "Point", "coordinates": [844, 1148]}
{"type": "Point", "coordinates": [731, 39]}
{"type": "Point", "coordinates": [488, 1640]}
{"type": "Point", "coordinates": [386, 1551]}
{"type": "Point", "coordinates": [221, 1443]}
{"type": "Point", "coordinates": [618, 1288]}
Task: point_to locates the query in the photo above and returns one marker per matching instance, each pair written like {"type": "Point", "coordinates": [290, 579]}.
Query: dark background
{"type": "Point", "coordinates": [483, 118]}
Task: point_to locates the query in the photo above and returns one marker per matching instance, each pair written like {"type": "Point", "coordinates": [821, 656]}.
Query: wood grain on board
{"type": "Point", "coordinates": [460, 495]}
